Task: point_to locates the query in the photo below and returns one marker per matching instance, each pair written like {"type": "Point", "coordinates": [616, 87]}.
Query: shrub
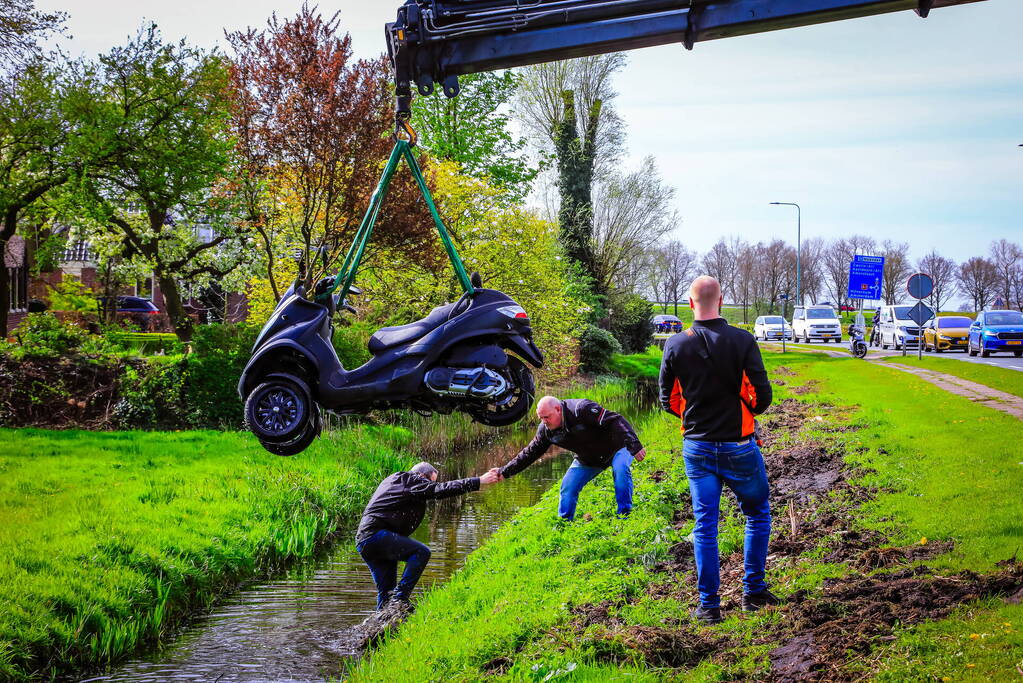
{"type": "Point", "coordinates": [351, 341]}
{"type": "Point", "coordinates": [596, 346]}
{"type": "Point", "coordinates": [151, 396]}
{"type": "Point", "coordinates": [43, 334]}
{"type": "Point", "coordinates": [630, 322]}
{"type": "Point", "coordinates": [71, 295]}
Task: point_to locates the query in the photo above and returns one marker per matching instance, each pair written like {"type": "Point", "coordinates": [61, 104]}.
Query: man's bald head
{"type": "Point", "coordinates": [548, 409]}
{"type": "Point", "coordinates": [705, 298]}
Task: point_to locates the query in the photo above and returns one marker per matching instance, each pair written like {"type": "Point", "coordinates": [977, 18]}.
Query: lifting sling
{"type": "Point", "coordinates": [346, 275]}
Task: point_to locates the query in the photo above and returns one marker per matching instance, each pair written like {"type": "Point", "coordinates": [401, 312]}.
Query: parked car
{"type": "Point", "coordinates": [996, 331]}
{"type": "Point", "coordinates": [769, 327]}
{"type": "Point", "coordinates": [140, 310]}
{"type": "Point", "coordinates": [666, 324]}
{"type": "Point", "coordinates": [847, 307]}
{"type": "Point", "coordinates": [947, 334]}
{"type": "Point", "coordinates": [897, 329]}
{"type": "Point", "coordinates": [816, 322]}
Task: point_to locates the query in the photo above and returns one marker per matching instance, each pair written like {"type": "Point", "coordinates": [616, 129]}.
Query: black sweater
{"type": "Point", "coordinates": [399, 502]}
{"type": "Point", "coordinates": [589, 430]}
{"type": "Point", "coordinates": [713, 377]}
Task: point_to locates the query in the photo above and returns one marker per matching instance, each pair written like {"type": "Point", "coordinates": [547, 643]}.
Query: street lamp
{"type": "Point", "coordinates": [799, 297]}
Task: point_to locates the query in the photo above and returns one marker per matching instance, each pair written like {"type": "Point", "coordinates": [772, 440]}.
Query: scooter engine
{"type": "Point", "coordinates": [472, 382]}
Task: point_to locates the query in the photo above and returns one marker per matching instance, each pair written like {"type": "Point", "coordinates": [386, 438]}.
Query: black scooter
{"type": "Point", "coordinates": [857, 346]}
{"type": "Point", "coordinates": [456, 358]}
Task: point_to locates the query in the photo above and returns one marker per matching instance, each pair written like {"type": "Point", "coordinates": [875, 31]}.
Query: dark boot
{"type": "Point", "coordinates": [751, 602]}
{"type": "Point", "coordinates": [708, 615]}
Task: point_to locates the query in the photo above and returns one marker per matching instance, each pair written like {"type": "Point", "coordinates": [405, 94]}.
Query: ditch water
{"type": "Point", "coordinates": [287, 629]}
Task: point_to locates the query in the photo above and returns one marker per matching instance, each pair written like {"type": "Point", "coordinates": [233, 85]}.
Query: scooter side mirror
{"type": "Point", "coordinates": [475, 280]}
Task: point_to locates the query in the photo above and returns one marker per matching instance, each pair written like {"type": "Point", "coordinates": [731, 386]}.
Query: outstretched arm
{"type": "Point", "coordinates": [528, 455]}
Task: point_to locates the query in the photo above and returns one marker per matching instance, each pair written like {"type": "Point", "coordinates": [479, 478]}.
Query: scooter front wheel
{"type": "Point", "coordinates": [278, 410]}
{"type": "Point", "coordinates": [515, 404]}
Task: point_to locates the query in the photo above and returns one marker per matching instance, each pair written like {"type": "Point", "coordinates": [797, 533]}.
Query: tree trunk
{"type": "Point", "coordinates": [10, 223]}
{"type": "Point", "coordinates": [576, 158]}
{"type": "Point", "coordinates": [181, 323]}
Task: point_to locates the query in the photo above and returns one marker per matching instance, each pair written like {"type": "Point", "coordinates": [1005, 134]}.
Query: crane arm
{"type": "Point", "coordinates": [436, 41]}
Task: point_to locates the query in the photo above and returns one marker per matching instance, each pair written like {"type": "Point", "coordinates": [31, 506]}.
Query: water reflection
{"type": "Point", "coordinates": [286, 629]}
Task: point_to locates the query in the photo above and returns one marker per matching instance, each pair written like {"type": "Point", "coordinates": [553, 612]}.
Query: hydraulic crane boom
{"type": "Point", "coordinates": [435, 41]}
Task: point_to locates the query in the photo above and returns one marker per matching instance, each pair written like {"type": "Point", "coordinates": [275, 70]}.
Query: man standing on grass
{"type": "Point", "coordinates": [712, 376]}
{"type": "Point", "coordinates": [599, 438]}
{"type": "Point", "coordinates": [392, 514]}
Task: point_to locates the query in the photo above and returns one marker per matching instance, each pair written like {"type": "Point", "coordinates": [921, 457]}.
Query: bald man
{"type": "Point", "coordinates": [598, 437]}
{"type": "Point", "coordinates": [713, 378]}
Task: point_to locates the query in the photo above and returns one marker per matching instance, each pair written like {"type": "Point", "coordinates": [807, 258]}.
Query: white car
{"type": "Point", "coordinates": [897, 329]}
{"type": "Point", "coordinates": [816, 322]}
{"type": "Point", "coordinates": [769, 327]}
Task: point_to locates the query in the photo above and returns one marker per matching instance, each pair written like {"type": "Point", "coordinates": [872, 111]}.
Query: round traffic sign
{"type": "Point", "coordinates": [920, 285]}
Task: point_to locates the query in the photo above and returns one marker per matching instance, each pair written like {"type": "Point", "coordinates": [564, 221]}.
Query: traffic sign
{"type": "Point", "coordinates": [920, 285]}
{"type": "Point", "coordinates": [920, 313]}
{"type": "Point", "coordinates": [865, 273]}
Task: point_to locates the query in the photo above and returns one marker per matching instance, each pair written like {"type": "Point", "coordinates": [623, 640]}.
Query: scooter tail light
{"type": "Point", "coordinates": [514, 312]}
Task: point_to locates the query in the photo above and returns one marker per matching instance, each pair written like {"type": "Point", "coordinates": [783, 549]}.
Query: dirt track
{"type": "Point", "coordinates": [815, 507]}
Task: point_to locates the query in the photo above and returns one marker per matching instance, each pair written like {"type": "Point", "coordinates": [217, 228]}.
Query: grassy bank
{"type": "Point", "coordinates": [1004, 379]}
{"type": "Point", "coordinates": [108, 541]}
{"type": "Point", "coordinates": [592, 600]}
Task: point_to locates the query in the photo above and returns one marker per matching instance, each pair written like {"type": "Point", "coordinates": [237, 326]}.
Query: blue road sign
{"type": "Point", "coordinates": [865, 273]}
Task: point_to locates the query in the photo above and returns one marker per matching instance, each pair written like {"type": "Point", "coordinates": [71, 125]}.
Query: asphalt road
{"type": "Point", "coordinates": [998, 360]}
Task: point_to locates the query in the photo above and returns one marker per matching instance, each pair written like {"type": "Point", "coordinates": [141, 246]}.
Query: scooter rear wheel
{"type": "Point", "coordinates": [296, 446]}
{"type": "Point", "coordinates": [278, 410]}
{"type": "Point", "coordinates": [514, 405]}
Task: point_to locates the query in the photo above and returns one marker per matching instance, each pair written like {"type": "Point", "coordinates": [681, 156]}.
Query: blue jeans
{"type": "Point", "coordinates": [579, 475]}
{"type": "Point", "coordinates": [740, 466]}
{"type": "Point", "coordinates": [382, 551]}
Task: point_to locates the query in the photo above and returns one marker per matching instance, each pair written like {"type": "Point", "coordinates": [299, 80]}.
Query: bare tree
{"type": "Point", "coordinates": [836, 263]}
{"type": "Point", "coordinates": [745, 283]}
{"type": "Point", "coordinates": [721, 263]}
{"type": "Point", "coordinates": [679, 270]}
{"type": "Point", "coordinates": [897, 269]}
{"type": "Point", "coordinates": [630, 213]}
{"type": "Point", "coordinates": [811, 267]}
{"type": "Point", "coordinates": [540, 106]}
{"type": "Point", "coordinates": [1007, 258]}
{"type": "Point", "coordinates": [978, 279]}
{"type": "Point", "coordinates": [777, 272]}
{"type": "Point", "coordinates": [943, 273]}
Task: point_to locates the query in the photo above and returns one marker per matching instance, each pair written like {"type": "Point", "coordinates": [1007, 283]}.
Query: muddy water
{"type": "Point", "coordinates": [287, 629]}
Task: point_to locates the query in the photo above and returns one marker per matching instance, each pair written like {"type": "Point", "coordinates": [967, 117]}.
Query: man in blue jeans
{"type": "Point", "coordinates": [712, 376]}
{"type": "Point", "coordinates": [598, 437]}
{"type": "Point", "coordinates": [394, 511]}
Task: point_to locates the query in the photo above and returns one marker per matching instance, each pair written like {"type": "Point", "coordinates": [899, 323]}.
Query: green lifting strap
{"type": "Point", "coordinates": [346, 275]}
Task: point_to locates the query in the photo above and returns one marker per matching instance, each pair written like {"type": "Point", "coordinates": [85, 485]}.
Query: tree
{"type": "Point", "coordinates": [978, 280]}
{"type": "Point", "coordinates": [943, 273]}
{"type": "Point", "coordinates": [1007, 258]}
{"type": "Point", "coordinates": [777, 271]}
{"type": "Point", "coordinates": [676, 271]}
{"type": "Point", "coordinates": [811, 269]}
{"type": "Point", "coordinates": [38, 128]}
{"type": "Point", "coordinates": [313, 127]}
{"type": "Point", "coordinates": [472, 130]}
{"type": "Point", "coordinates": [631, 212]}
{"type": "Point", "coordinates": [566, 108]}
{"type": "Point", "coordinates": [721, 263]}
{"type": "Point", "coordinates": [159, 120]}
{"type": "Point", "coordinates": [21, 25]}
{"type": "Point", "coordinates": [897, 269]}
{"type": "Point", "coordinates": [837, 258]}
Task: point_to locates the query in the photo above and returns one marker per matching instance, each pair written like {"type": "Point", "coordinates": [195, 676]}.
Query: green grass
{"type": "Point", "coordinates": [1004, 379]}
{"type": "Point", "coordinates": [945, 468]}
{"type": "Point", "coordinates": [638, 365]}
{"type": "Point", "coordinates": [108, 540]}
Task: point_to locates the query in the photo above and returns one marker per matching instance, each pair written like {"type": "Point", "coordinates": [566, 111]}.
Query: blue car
{"type": "Point", "coordinates": [996, 331]}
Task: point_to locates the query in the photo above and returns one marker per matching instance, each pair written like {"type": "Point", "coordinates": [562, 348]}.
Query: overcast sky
{"type": "Point", "coordinates": [892, 126]}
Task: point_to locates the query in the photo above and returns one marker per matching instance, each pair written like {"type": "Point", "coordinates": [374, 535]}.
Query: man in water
{"type": "Point", "coordinates": [598, 437]}
{"type": "Point", "coordinates": [394, 511]}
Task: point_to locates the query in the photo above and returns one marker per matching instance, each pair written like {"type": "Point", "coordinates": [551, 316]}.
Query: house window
{"type": "Point", "coordinates": [18, 278]}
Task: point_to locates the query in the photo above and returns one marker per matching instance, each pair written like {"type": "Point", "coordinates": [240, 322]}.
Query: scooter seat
{"type": "Point", "coordinates": [387, 337]}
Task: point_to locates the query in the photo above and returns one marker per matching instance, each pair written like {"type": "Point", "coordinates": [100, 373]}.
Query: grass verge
{"type": "Point", "coordinates": [544, 600]}
{"type": "Point", "coordinates": [1004, 379]}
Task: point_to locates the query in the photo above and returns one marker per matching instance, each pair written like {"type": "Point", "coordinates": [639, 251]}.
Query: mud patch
{"type": "Point", "coordinates": [784, 371]}
{"type": "Point", "coordinates": [810, 387]}
{"type": "Point", "coordinates": [886, 557]}
{"type": "Point", "coordinates": [678, 645]}
{"type": "Point", "coordinates": [853, 614]}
